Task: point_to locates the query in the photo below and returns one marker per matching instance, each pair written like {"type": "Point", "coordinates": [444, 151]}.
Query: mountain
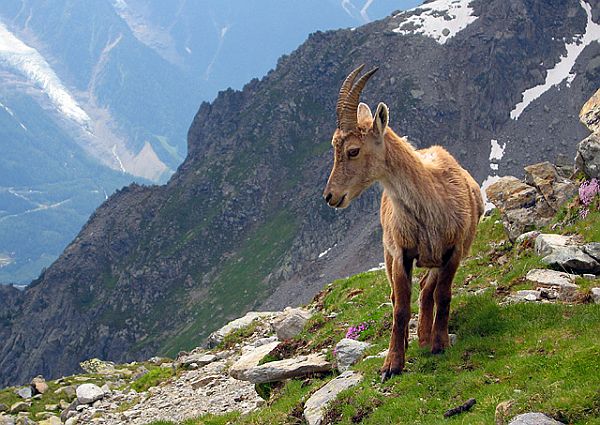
{"type": "Point", "coordinates": [113, 86]}
{"type": "Point", "coordinates": [242, 224]}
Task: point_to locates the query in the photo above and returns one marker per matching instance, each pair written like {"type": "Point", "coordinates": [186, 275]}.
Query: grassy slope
{"type": "Point", "coordinates": [543, 357]}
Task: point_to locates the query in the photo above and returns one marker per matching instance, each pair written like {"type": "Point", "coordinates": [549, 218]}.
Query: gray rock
{"type": "Point", "coordinates": [596, 295]}
{"type": "Point", "coordinates": [3, 407]}
{"type": "Point", "coordinates": [7, 420]}
{"type": "Point", "coordinates": [587, 159]}
{"type": "Point", "coordinates": [98, 366]}
{"type": "Point", "coordinates": [572, 259]}
{"type": "Point", "coordinates": [68, 391]}
{"type": "Point", "coordinates": [282, 369]}
{"type": "Point", "coordinates": [71, 421]}
{"type": "Point", "coordinates": [549, 281]}
{"type": "Point", "coordinates": [52, 420]}
{"type": "Point", "coordinates": [251, 359]}
{"type": "Point", "coordinates": [533, 419]}
{"type": "Point", "coordinates": [526, 295]}
{"type": "Point", "coordinates": [593, 250]}
{"type": "Point", "coordinates": [19, 406]}
{"type": "Point", "coordinates": [590, 112]}
{"type": "Point", "coordinates": [291, 322]}
{"type": "Point", "coordinates": [139, 372]}
{"type": "Point", "coordinates": [349, 351]}
{"type": "Point", "coordinates": [316, 406]}
{"type": "Point", "coordinates": [547, 243]}
{"type": "Point", "coordinates": [217, 336]}
{"type": "Point", "coordinates": [89, 393]}
{"type": "Point", "coordinates": [200, 359]}
{"type": "Point", "coordinates": [24, 392]}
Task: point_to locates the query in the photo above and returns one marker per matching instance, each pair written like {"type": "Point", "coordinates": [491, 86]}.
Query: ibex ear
{"type": "Point", "coordinates": [381, 119]}
{"type": "Point", "coordinates": [363, 113]}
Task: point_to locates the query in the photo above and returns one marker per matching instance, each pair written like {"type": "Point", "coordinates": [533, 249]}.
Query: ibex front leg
{"type": "Point", "coordinates": [401, 285]}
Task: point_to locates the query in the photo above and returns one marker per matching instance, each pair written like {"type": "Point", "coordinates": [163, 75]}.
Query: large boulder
{"type": "Point", "coordinates": [24, 392]}
{"type": "Point", "coordinates": [39, 385]}
{"type": "Point", "coordinates": [316, 406]}
{"type": "Point", "coordinates": [89, 393]}
{"type": "Point", "coordinates": [572, 259]}
{"type": "Point", "coordinates": [348, 351]}
{"type": "Point", "coordinates": [545, 178]}
{"type": "Point", "coordinates": [562, 283]}
{"type": "Point", "coordinates": [547, 243]}
{"type": "Point", "coordinates": [522, 206]}
{"type": "Point", "coordinates": [290, 322]}
{"type": "Point", "coordinates": [281, 369]}
{"type": "Point", "coordinates": [590, 113]}
{"type": "Point", "coordinates": [97, 366]}
{"type": "Point", "coordinates": [587, 159]}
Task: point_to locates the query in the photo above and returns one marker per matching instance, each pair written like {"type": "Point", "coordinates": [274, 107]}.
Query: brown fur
{"type": "Point", "coordinates": [430, 208]}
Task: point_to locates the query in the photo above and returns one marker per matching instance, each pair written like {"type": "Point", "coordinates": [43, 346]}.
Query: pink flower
{"type": "Point", "coordinates": [588, 190]}
{"type": "Point", "coordinates": [355, 331]}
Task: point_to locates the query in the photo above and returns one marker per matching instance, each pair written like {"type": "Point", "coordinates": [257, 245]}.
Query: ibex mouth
{"type": "Point", "coordinates": [341, 202]}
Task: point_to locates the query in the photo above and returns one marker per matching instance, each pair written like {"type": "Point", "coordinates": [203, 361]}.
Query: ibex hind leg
{"type": "Point", "coordinates": [443, 297]}
{"type": "Point", "coordinates": [426, 304]}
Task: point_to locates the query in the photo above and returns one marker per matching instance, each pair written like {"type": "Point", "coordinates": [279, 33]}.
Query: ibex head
{"type": "Point", "coordinates": [357, 143]}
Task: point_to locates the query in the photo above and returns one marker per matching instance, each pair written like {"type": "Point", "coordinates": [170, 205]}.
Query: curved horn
{"type": "Point", "coordinates": [348, 119]}
{"type": "Point", "coordinates": [344, 91]}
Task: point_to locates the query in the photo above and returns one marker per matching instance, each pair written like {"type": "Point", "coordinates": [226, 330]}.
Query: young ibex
{"type": "Point", "coordinates": [429, 213]}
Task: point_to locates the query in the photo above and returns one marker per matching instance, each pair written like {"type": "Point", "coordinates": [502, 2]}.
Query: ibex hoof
{"type": "Point", "coordinates": [387, 375]}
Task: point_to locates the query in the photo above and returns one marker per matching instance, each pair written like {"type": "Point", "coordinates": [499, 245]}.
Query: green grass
{"type": "Point", "coordinates": [155, 376]}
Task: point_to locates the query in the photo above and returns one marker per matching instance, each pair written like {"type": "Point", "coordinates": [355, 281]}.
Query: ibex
{"type": "Point", "coordinates": [429, 212]}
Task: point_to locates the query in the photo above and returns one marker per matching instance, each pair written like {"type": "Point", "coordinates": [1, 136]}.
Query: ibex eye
{"type": "Point", "coordinates": [353, 153]}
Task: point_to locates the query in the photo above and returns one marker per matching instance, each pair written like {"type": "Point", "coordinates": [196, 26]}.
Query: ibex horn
{"type": "Point", "coordinates": [345, 91]}
{"type": "Point", "coordinates": [348, 120]}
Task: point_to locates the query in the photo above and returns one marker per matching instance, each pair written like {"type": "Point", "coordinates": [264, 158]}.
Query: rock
{"type": "Point", "coordinates": [63, 404]}
{"type": "Point", "coordinates": [562, 283]}
{"type": "Point", "coordinates": [7, 420]}
{"type": "Point", "coordinates": [291, 322]}
{"type": "Point", "coordinates": [263, 341]}
{"type": "Point", "coordinates": [89, 393]}
{"type": "Point", "coordinates": [596, 295]}
{"type": "Point", "coordinates": [24, 420]}
{"type": "Point", "coordinates": [70, 410]}
{"type": "Point", "coordinates": [282, 369]}
{"type": "Point", "coordinates": [502, 412]}
{"type": "Point", "coordinates": [204, 381]}
{"type": "Point", "coordinates": [533, 419]}
{"type": "Point", "coordinates": [52, 420]}
{"type": "Point", "coordinates": [51, 407]}
{"type": "Point", "coordinates": [556, 189]}
{"type": "Point", "coordinates": [452, 338]}
{"type": "Point", "coordinates": [522, 207]}
{"type": "Point", "coordinates": [24, 392]}
{"type": "Point", "coordinates": [217, 336]}
{"type": "Point", "coordinates": [97, 366]}
{"type": "Point", "coordinates": [590, 113]}
{"type": "Point", "coordinates": [139, 372]}
{"type": "Point", "coordinates": [201, 359]}
{"type": "Point", "coordinates": [251, 359]}
{"type": "Point", "coordinates": [527, 237]}
{"type": "Point", "coordinates": [588, 276]}
{"type": "Point", "coordinates": [68, 391]}
{"type": "Point", "coordinates": [526, 295]}
{"type": "Point", "coordinates": [572, 259]}
{"type": "Point", "coordinates": [349, 351]}
{"type": "Point", "coordinates": [316, 406]}
{"type": "Point", "coordinates": [547, 243]}
{"type": "Point", "coordinates": [71, 421]}
{"type": "Point", "coordinates": [3, 407]}
{"type": "Point", "coordinates": [587, 159]}
{"type": "Point", "coordinates": [19, 406]}
{"type": "Point", "coordinates": [39, 385]}
{"type": "Point", "coordinates": [593, 250]}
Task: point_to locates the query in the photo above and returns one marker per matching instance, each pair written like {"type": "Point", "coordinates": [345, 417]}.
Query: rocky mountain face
{"type": "Point", "coordinates": [95, 95]}
{"type": "Point", "coordinates": [241, 224]}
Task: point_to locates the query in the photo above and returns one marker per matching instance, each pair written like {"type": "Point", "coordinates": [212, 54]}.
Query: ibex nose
{"type": "Point", "coordinates": [328, 197]}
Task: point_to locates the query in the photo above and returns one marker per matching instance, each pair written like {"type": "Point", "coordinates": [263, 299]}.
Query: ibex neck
{"type": "Point", "coordinates": [405, 177]}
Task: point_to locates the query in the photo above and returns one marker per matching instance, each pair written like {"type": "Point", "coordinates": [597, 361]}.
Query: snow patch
{"type": "Point", "coordinates": [490, 180]}
{"type": "Point", "coordinates": [562, 69]}
{"type": "Point", "coordinates": [114, 152]}
{"type": "Point", "coordinates": [440, 20]}
{"type": "Point", "coordinates": [324, 253]}
{"type": "Point", "coordinates": [381, 266]}
{"type": "Point", "coordinates": [497, 151]}
{"type": "Point", "coordinates": [28, 61]}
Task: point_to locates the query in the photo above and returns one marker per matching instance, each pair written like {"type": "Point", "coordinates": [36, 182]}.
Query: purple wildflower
{"type": "Point", "coordinates": [355, 331]}
{"type": "Point", "coordinates": [588, 190]}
